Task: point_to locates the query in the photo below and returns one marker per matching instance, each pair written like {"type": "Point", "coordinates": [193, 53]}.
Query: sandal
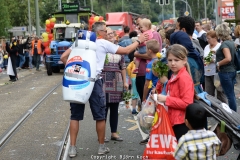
{"type": "Point", "coordinates": [116, 138]}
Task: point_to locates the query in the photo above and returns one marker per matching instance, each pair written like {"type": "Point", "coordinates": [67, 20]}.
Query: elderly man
{"type": "Point", "coordinates": [96, 99]}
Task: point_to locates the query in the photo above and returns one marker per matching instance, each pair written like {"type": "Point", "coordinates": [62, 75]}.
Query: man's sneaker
{"type": "Point", "coordinates": [145, 141]}
{"type": "Point", "coordinates": [72, 151]}
{"type": "Point", "coordinates": [134, 111]}
{"type": "Point", "coordinates": [103, 149]}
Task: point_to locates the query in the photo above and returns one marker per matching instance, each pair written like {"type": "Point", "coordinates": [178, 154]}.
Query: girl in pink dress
{"type": "Point", "coordinates": [145, 27]}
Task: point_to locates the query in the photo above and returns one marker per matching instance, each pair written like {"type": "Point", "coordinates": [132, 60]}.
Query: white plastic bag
{"type": "Point", "coordinates": [146, 115]}
{"type": "Point", "coordinates": [9, 68]}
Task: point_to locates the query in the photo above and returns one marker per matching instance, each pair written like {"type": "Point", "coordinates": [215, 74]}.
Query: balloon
{"type": "Point", "coordinates": [52, 24]}
{"type": "Point", "coordinates": [47, 50]}
{"type": "Point", "coordinates": [45, 39]}
{"type": "Point", "coordinates": [47, 22]}
{"type": "Point", "coordinates": [44, 34]}
{"type": "Point", "coordinates": [48, 25]}
{"type": "Point", "coordinates": [96, 18]}
{"type": "Point", "coordinates": [53, 20]}
{"type": "Point", "coordinates": [45, 44]}
{"type": "Point", "coordinates": [48, 30]}
{"type": "Point", "coordinates": [91, 21]}
{"type": "Point", "coordinates": [100, 18]}
{"type": "Point", "coordinates": [50, 36]}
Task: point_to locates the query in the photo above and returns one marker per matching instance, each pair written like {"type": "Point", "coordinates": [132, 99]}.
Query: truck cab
{"type": "Point", "coordinates": [68, 22]}
{"type": "Point", "coordinates": [117, 20]}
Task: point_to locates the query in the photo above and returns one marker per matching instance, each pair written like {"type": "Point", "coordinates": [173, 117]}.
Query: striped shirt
{"type": "Point", "coordinates": [198, 144]}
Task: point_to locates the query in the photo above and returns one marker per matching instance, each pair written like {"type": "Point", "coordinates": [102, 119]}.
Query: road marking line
{"type": "Point", "coordinates": [130, 120]}
{"type": "Point", "coordinates": [133, 128]}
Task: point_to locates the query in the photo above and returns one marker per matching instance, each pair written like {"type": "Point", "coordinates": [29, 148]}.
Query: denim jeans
{"type": "Point", "coordinates": [22, 60]}
{"type": "Point", "coordinates": [36, 58]}
{"type": "Point", "coordinates": [30, 61]}
{"type": "Point", "coordinates": [227, 82]}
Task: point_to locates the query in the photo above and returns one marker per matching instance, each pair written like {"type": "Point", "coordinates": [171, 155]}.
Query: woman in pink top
{"type": "Point", "coordinates": [145, 27]}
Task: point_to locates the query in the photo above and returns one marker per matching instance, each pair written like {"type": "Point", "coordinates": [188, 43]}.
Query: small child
{"type": "Point", "coordinates": [145, 27]}
{"type": "Point", "coordinates": [152, 50]}
{"type": "Point", "coordinates": [135, 95]}
{"type": "Point", "coordinates": [197, 143]}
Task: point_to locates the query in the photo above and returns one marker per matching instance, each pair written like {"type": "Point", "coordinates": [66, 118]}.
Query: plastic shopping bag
{"type": "Point", "coordinates": [162, 141]}
{"type": "Point", "coordinates": [146, 115]}
{"type": "Point", "coordinates": [10, 68]}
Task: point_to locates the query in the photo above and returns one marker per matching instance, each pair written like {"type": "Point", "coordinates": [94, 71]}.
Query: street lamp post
{"type": "Point", "coordinates": [205, 10]}
{"type": "Point", "coordinates": [122, 5]}
{"type": "Point", "coordinates": [37, 18]}
{"type": "Point", "coordinates": [91, 5]}
{"type": "Point", "coordinates": [187, 4]}
{"type": "Point", "coordinates": [174, 14]}
{"type": "Point", "coordinates": [29, 18]}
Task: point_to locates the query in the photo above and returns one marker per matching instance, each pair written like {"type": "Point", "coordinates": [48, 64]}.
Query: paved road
{"type": "Point", "coordinates": [50, 133]}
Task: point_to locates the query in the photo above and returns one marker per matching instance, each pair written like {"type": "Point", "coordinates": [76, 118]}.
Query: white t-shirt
{"type": "Point", "coordinates": [200, 33]}
{"type": "Point", "coordinates": [103, 47]}
{"type": "Point", "coordinates": [237, 41]}
{"type": "Point", "coordinates": [210, 69]}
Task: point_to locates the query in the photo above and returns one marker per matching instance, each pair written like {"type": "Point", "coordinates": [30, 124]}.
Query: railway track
{"type": "Point", "coordinates": [46, 117]}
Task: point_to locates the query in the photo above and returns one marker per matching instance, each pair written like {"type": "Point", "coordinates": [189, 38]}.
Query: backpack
{"type": "Point", "coordinates": [203, 40]}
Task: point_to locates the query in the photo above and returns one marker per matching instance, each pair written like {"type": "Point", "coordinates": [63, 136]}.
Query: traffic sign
{"type": "Point", "coordinates": [18, 29]}
{"type": "Point", "coordinates": [186, 13]}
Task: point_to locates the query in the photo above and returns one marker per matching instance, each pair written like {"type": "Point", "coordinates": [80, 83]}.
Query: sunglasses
{"type": "Point", "coordinates": [104, 31]}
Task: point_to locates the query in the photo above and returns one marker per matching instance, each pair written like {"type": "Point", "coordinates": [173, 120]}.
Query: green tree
{"type": "Point", "coordinates": [4, 20]}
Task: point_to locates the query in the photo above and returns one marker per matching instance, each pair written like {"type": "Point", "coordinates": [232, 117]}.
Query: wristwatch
{"type": "Point", "coordinates": [217, 64]}
{"type": "Point", "coordinates": [138, 41]}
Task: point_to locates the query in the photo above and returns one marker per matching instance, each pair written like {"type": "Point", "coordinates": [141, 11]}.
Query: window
{"type": "Point", "coordinates": [116, 28]}
{"type": "Point", "coordinates": [59, 20]}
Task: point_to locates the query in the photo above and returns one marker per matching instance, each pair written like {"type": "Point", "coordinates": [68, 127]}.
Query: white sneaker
{"type": "Point", "coordinates": [103, 149]}
{"type": "Point", "coordinates": [72, 152]}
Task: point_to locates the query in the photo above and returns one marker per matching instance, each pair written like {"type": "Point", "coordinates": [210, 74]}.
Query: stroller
{"type": "Point", "coordinates": [222, 113]}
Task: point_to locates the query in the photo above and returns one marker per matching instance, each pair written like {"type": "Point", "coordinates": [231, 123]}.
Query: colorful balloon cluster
{"type": "Point", "coordinates": [48, 36]}
{"type": "Point", "coordinates": [94, 19]}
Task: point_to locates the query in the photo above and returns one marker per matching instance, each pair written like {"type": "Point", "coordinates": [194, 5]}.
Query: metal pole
{"type": "Point", "coordinates": [216, 12]}
{"type": "Point", "coordinates": [162, 13]}
{"type": "Point", "coordinates": [186, 5]}
{"type": "Point", "coordinates": [198, 11]}
{"type": "Point", "coordinates": [174, 15]}
{"type": "Point", "coordinates": [60, 5]}
{"type": "Point", "coordinates": [205, 10]}
{"type": "Point", "coordinates": [84, 2]}
{"type": "Point", "coordinates": [29, 19]}
{"type": "Point", "coordinates": [122, 5]}
{"type": "Point", "coordinates": [91, 5]}
{"type": "Point", "coordinates": [220, 21]}
{"type": "Point", "coordinates": [37, 18]}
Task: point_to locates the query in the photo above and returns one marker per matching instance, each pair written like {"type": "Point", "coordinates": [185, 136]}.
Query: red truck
{"type": "Point", "coordinates": [117, 20]}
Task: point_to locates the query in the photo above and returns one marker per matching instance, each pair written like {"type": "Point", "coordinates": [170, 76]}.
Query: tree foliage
{"type": "Point", "coordinates": [15, 13]}
{"type": "Point", "coordinates": [4, 20]}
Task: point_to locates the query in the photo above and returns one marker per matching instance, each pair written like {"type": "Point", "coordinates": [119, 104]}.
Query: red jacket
{"type": "Point", "coordinates": [180, 94]}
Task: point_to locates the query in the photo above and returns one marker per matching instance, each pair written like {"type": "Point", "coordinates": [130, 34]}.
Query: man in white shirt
{"type": "Point", "coordinates": [198, 27]}
{"type": "Point", "coordinates": [96, 99]}
{"type": "Point", "coordinates": [202, 38]}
